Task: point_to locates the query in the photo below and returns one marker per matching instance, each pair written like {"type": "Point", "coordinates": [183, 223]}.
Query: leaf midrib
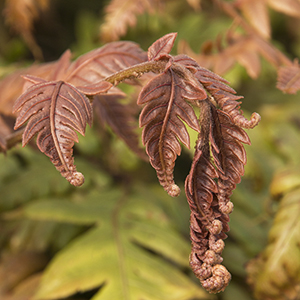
{"type": "Point", "coordinates": [53, 104]}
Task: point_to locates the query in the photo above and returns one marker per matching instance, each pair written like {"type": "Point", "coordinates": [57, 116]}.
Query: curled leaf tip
{"type": "Point", "coordinates": [216, 227]}
{"type": "Point", "coordinates": [226, 208]}
{"type": "Point", "coordinates": [218, 281]}
{"type": "Point", "coordinates": [76, 179]}
{"type": "Point", "coordinates": [241, 121]}
{"type": "Point", "coordinates": [174, 190]}
{"type": "Point", "coordinates": [217, 246]}
{"type": "Point", "coordinates": [255, 119]}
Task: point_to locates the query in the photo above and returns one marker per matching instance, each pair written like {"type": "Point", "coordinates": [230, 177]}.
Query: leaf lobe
{"type": "Point", "coordinates": [54, 110]}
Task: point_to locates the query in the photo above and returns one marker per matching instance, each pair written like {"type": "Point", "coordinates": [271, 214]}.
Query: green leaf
{"type": "Point", "coordinates": [236, 292]}
{"type": "Point", "coordinates": [285, 180]}
{"type": "Point", "coordinates": [275, 274]}
{"type": "Point", "coordinates": [89, 209]}
{"type": "Point", "coordinates": [133, 252]}
{"type": "Point", "coordinates": [102, 256]}
{"type": "Point", "coordinates": [244, 228]}
{"type": "Point", "coordinates": [35, 176]}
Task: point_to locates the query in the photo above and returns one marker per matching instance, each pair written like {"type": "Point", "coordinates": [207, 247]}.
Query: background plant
{"type": "Point", "coordinates": [34, 224]}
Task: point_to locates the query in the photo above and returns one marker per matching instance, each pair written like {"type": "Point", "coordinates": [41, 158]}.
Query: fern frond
{"type": "Point", "coordinates": [55, 110]}
{"type": "Point", "coordinates": [275, 273]}
{"type": "Point", "coordinates": [162, 118]}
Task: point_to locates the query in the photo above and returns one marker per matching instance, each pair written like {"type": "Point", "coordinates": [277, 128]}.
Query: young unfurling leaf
{"type": "Point", "coordinates": [54, 109]}
{"type": "Point", "coordinates": [162, 119]}
{"type": "Point", "coordinates": [223, 94]}
{"type": "Point", "coordinates": [162, 46]}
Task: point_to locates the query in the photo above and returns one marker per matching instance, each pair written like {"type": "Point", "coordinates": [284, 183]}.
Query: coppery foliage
{"type": "Point", "coordinates": [177, 85]}
{"type": "Point", "coordinates": [217, 167]}
{"type": "Point", "coordinates": [54, 109]}
{"type": "Point", "coordinates": [289, 78]}
{"type": "Point", "coordinates": [109, 110]}
{"type": "Point", "coordinates": [57, 106]}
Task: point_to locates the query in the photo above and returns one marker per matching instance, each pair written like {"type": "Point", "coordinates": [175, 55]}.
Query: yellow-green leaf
{"type": "Point", "coordinates": [275, 274]}
{"type": "Point", "coordinates": [285, 181]}
{"type": "Point", "coordinates": [114, 254]}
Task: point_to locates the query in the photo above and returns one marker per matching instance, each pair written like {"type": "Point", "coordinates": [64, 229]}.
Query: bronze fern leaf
{"type": "Point", "coordinates": [208, 223]}
{"type": "Point", "coordinates": [120, 118]}
{"type": "Point", "coordinates": [223, 94]}
{"type": "Point", "coordinates": [102, 62]}
{"type": "Point", "coordinates": [288, 79]}
{"type": "Point", "coordinates": [229, 155]}
{"type": "Point", "coordinates": [55, 110]}
{"type": "Point", "coordinates": [216, 169]}
{"type": "Point", "coordinates": [162, 118]}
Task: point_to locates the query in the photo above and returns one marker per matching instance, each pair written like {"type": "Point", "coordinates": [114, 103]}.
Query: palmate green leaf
{"type": "Point", "coordinates": [275, 274]}
{"type": "Point", "coordinates": [128, 252]}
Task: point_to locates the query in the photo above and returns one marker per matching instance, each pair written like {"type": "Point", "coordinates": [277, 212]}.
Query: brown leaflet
{"type": "Point", "coordinates": [11, 88]}
{"type": "Point", "coordinates": [20, 15]}
{"type": "Point", "coordinates": [228, 153]}
{"type": "Point", "coordinates": [12, 85]}
{"type": "Point", "coordinates": [90, 90]}
{"type": "Point", "coordinates": [242, 49]}
{"type": "Point", "coordinates": [120, 14]}
{"type": "Point", "coordinates": [162, 46]}
{"type": "Point", "coordinates": [54, 110]}
{"type": "Point", "coordinates": [209, 187]}
{"type": "Point", "coordinates": [256, 12]}
{"type": "Point", "coordinates": [289, 7]}
{"type": "Point", "coordinates": [288, 79]}
{"type": "Point", "coordinates": [119, 117]}
{"type": "Point", "coordinates": [162, 119]}
{"type": "Point", "coordinates": [208, 223]}
{"type": "Point", "coordinates": [104, 61]}
{"type": "Point", "coordinates": [223, 94]}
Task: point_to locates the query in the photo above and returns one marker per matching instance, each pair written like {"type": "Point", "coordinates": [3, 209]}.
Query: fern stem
{"type": "Point", "coordinates": [137, 71]}
{"type": "Point", "coordinates": [13, 139]}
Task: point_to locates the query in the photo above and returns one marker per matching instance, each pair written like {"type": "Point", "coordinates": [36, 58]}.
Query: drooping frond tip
{"type": "Point", "coordinates": [54, 110]}
{"type": "Point", "coordinates": [162, 119]}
